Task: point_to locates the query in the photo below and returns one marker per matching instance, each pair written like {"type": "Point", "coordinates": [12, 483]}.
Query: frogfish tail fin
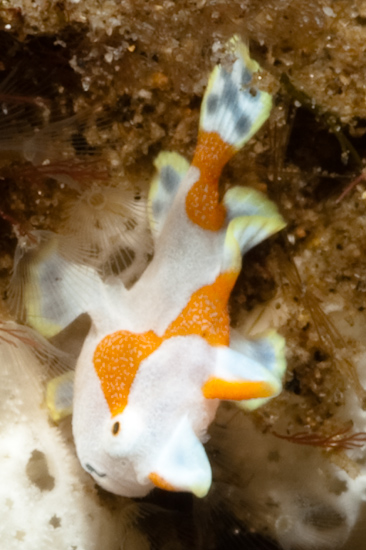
{"type": "Point", "coordinates": [232, 107]}
{"type": "Point", "coordinates": [232, 111]}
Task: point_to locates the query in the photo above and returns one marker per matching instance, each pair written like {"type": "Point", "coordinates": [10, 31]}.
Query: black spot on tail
{"type": "Point", "coordinates": [246, 76]}
{"type": "Point", "coordinates": [242, 126]}
{"type": "Point", "coordinates": [212, 103]}
{"type": "Point", "coordinates": [230, 92]}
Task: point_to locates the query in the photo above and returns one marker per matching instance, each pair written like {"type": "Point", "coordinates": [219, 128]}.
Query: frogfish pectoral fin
{"type": "Point", "coordinates": [245, 375]}
{"type": "Point", "coordinates": [59, 396]}
{"type": "Point", "coordinates": [269, 350]}
{"type": "Point", "coordinates": [49, 291]}
{"type": "Point", "coordinates": [236, 390]}
{"type": "Point", "coordinates": [182, 464]}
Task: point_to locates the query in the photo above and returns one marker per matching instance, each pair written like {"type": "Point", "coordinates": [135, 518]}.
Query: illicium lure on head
{"type": "Point", "coordinates": [160, 356]}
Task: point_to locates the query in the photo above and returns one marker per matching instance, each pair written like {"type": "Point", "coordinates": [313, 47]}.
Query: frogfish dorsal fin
{"type": "Point", "coordinates": [171, 169]}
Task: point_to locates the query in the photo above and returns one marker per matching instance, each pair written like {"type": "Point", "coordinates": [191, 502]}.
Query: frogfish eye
{"type": "Point", "coordinates": [115, 428]}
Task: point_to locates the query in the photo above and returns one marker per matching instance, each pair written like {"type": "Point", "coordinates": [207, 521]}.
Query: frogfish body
{"type": "Point", "coordinates": [161, 355]}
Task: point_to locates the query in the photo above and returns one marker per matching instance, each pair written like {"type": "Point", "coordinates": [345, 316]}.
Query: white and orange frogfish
{"type": "Point", "coordinates": [161, 355]}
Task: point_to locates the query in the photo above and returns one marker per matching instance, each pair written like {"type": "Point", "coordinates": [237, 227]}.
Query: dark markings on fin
{"type": "Point", "coordinates": [246, 76]}
{"type": "Point", "coordinates": [242, 126]}
{"type": "Point", "coordinates": [212, 103]}
{"type": "Point", "coordinates": [169, 178]}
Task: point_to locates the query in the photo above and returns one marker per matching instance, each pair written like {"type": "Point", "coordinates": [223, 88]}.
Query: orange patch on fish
{"type": "Point", "coordinates": [160, 482]}
{"type": "Point", "coordinates": [116, 361]}
{"type": "Point", "coordinates": [206, 312]}
{"type": "Point", "coordinates": [118, 356]}
{"type": "Point", "coordinates": [202, 201]}
{"type": "Point", "coordinates": [216, 388]}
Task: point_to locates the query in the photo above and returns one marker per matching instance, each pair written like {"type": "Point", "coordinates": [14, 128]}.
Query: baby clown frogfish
{"type": "Point", "coordinates": [161, 355]}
